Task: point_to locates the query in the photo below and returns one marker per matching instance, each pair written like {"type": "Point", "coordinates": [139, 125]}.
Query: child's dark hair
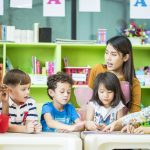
{"type": "Point", "coordinates": [15, 77]}
{"type": "Point", "coordinates": [58, 77]}
{"type": "Point", "coordinates": [111, 82]}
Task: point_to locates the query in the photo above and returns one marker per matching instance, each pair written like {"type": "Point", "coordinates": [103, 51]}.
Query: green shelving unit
{"type": "Point", "coordinates": [141, 55]}
{"type": "Point", "coordinates": [78, 55]}
{"type": "Point", "coordinates": [81, 55]}
{"type": "Point", "coordinates": [20, 55]}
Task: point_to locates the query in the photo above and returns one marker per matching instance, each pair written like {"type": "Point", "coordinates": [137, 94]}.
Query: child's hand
{"type": "Point", "coordinates": [142, 130]}
{"type": "Point", "coordinates": [101, 126]}
{"type": "Point", "coordinates": [79, 126]}
{"type": "Point", "coordinates": [4, 93]}
{"type": "Point", "coordinates": [115, 126]}
{"type": "Point", "coordinates": [30, 127]}
{"type": "Point", "coordinates": [37, 128]}
{"type": "Point", "coordinates": [90, 125]}
{"type": "Point", "coordinates": [128, 129]}
{"type": "Point", "coordinates": [110, 127]}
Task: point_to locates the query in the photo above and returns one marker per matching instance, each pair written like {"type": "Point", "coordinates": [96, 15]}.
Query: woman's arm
{"type": "Point", "coordinates": [133, 119]}
{"type": "Point", "coordinates": [98, 68]}
{"type": "Point", "coordinates": [141, 129]}
{"type": "Point", "coordinates": [137, 117]}
{"type": "Point", "coordinates": [135, 96]}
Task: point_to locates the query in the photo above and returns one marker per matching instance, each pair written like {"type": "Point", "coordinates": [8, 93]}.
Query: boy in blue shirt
{"type": "Point", "coordinates": [59, 115]}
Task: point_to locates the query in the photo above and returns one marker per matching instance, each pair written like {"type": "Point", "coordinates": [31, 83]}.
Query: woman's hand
{"type": "Point", "coordinates": [142, 130]}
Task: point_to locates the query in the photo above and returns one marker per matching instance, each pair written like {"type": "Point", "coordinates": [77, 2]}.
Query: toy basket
{"type": "Point", "coordinates": [80, 75]}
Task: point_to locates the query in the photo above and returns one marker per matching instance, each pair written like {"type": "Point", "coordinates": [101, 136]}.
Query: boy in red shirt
{"type": "Point", "coordinates": [4, 118]}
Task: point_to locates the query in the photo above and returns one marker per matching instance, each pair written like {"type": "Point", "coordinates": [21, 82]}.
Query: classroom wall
{"type": "Point", "coordinates": [108, 18]}
{"type": "Point", "coordinates": [112, 13]}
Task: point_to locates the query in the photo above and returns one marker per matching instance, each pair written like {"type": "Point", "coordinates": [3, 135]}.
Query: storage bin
{"type": "Point", "coordinates": [80, 75]}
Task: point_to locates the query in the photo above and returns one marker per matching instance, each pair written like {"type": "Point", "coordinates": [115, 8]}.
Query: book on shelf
{"type": "Point", "coordinates": [34, 65]}
{"type": "Point", "coordinates": [9, 65]}
{"type": "Point", "coordinates": [45, 34]}
{"type": "Point", "coordinates": [49, 67]}
{"type": "Point", "coordinates": [11, 34]}
{"type": "Point", "coordinates": [37, 68]}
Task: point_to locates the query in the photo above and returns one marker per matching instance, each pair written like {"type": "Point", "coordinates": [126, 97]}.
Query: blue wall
{"type": "Point", "coordinates": [112, 13]}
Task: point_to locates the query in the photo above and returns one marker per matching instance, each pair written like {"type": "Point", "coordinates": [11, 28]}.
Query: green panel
{"type": "Point", "coordinates": [146, 97]}
{"type": "Point", "coordinates": [141, 56]}
{"type": "Point", "coordinates": [39, 94]}
{"type": "Point", "coordinates": [73, 99]}
{"type": "Point", "coordinates": [20, 55]}
{"type": "Point", "coordinates": [83, 55]}
{"type": "Point", "coordinates": [41, 97]}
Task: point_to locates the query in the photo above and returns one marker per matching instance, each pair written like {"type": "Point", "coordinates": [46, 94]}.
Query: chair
{"type": "Point", "coordinates": [125, 87]}
{"type": "Point", "coordinates": [82, 95]}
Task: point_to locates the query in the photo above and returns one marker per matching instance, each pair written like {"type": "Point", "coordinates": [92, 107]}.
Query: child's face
{"type": "Point", "coordinates": [20, 93]}
{"type": "Point", "coordinates": [105, 96]}
{"type": "Point", "coordinates": [61, 95]}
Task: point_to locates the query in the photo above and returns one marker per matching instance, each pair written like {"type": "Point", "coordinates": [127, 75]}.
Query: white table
{"type": "Point", "coordinates": [42, 141]}
{"type": "Point", "coordinates": [115, 140]}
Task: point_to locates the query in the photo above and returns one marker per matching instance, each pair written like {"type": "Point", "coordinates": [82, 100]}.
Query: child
{"type": "Point", "coordinates": [106, 103]}
{"type": "Point", "coordinates": [22, 108]}
{"type": "Point", "coordinates": [130, 123]}
{"type": "Point", "coordinates": [58, 115]}
{"type": "Point", "coordinates": [119, 60]}
{"type": "Point", "coordinates": [4, 118]}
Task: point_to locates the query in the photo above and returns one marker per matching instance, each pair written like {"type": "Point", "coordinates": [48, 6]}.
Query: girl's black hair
{"type": "Point", "coordinates": [111, 82]}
